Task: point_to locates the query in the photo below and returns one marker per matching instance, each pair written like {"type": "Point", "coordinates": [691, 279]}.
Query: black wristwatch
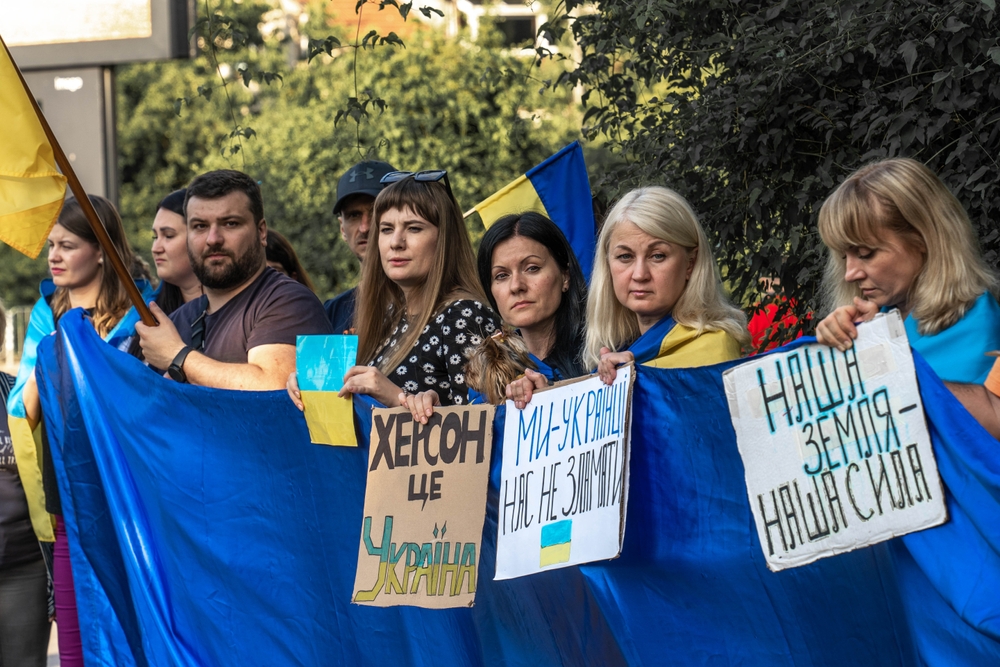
{"type": "Point", "coordinates": [176, 368]}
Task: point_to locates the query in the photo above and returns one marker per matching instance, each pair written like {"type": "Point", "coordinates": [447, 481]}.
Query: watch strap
{"type": "Point", "coordinates": [176, 369]}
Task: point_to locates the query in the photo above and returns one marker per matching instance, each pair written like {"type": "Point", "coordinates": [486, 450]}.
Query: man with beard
{"type": "Point", "coordinates": [241, 333]}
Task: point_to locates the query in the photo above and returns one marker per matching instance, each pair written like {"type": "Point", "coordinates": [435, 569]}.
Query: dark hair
{"type": "Point", "coordinates": [113, 300]}
{"type": "Point", "coordinates": [174, 202]}
{"type": "Point", "coordinates": [281, 251]}
{"type": "Point", "coordinates": [169, 297]}
{"type": "Point", "coordinates": [570, 316]}
{"type": "Point", "coordinates": [219, 183]}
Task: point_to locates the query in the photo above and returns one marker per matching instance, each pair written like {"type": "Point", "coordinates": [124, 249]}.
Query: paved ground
{"type": "Point", "coordinates": [53, 649]}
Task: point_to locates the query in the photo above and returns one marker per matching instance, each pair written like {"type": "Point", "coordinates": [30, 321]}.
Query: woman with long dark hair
{"type": "Point", "coordinates": [281, 257]}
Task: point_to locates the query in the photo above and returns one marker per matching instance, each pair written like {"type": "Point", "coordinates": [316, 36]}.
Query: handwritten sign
{"type": "Point", "coordinates": [835, 446]}
{"type": "Point", "coordinates": [564, 480]}
{"type": "Point", "coordinates": [424, 508]}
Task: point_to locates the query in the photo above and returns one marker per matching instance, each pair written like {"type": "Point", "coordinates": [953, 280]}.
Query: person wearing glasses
{"type": "Point", "coordinates": [356, 192]}
{"type": "Point", "coordinates": [420, 309]}
{"type": "Point", "coordinates": [80, 279]}
{"type": "Point", "coordinates": [241, 334]}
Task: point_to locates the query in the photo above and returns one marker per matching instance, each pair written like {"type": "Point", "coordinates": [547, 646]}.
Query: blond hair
{"type": "Point", "coordinates": [663, 214]}
{"type": "Point", "coordinates": [904, 196]}
{"type": "Point", "coordinates": [381, 303]}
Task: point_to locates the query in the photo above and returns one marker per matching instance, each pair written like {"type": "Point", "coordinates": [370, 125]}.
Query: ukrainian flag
{"type": "Point", "coordinates": [556, 542]}
{"type": "Point", "coordinates": [31, 189]}
{"type": "Point", "coordinates": [27, 439]}
{"type": "Point", "coordinates": [559, 189]}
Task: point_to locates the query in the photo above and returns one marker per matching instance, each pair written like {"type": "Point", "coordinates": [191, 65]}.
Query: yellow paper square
{"type": "Point", "coordinates": [557, 553]}
{"type": "Point", "coordinates": [330, 418]}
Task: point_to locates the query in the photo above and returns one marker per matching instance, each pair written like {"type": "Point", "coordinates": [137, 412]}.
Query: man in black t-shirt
{"type": "Point", "coordinates": [356, 192]}
{"type": "Point", "coordinates": [241, 333]}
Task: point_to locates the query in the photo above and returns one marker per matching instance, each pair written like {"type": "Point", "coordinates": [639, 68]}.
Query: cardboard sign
{"type": "Point", "coordinates": [320, 363]}
{"type": "Point", "coordinates": [424, 508]}
{"type": "Point", "coordinates": [835, 446]}
{"type": "Point", "coordinates": [564, 481]}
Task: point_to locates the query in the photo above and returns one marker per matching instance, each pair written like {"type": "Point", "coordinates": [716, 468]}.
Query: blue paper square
{"type": "Point", "coordinates": [322, 361]}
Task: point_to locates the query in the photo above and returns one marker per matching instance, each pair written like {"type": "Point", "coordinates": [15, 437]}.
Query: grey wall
{"type": "Point", "coordinates": [79, 106]}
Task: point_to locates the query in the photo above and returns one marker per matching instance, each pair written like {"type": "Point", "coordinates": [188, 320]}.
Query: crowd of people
{"type": "Point", "coordinates": [439, 324]}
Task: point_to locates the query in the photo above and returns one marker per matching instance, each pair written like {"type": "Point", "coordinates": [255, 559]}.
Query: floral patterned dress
{"type": "Point", "coordinates": [437, 359]}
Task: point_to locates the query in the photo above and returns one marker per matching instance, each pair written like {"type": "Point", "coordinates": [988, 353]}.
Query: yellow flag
{"type": "Point", "coordinates": [31, 189]}
{"type": "Point", "coordinates": [518, 196]}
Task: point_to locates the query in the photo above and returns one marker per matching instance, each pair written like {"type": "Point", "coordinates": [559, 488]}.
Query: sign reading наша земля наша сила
{"type": "Point", "coordinates": [835, 446]}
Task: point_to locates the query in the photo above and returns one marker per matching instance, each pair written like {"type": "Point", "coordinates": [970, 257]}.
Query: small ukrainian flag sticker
{"type": "Point", "coordinates": [555, 542]}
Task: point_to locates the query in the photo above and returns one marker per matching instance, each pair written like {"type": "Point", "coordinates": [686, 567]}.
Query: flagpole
{"type": "Point", "coordinates": [110, 251]}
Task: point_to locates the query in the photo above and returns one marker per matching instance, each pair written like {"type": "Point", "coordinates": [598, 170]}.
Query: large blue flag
{"type": "Point", "coordinates": [205, 529]}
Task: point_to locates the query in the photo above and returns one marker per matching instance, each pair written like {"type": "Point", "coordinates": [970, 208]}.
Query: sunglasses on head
{"type": "Point", "coordinates": [428, 176]}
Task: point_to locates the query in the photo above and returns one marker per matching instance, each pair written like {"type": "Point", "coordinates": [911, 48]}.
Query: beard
{"type": "Point", "coordinates": [230, 274]}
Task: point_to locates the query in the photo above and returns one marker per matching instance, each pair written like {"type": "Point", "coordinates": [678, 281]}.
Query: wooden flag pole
{"type": "Point", "coordinates": [110, 251]}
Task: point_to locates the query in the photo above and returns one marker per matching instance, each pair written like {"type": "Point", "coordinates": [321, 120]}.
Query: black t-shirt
{"type": "Point", "coordinates": [18, 544]}
{"type": "Point", "coordinates": [437, 359]}
{"type": "Point", "coordinates": [340, 311]}
{"type": "Point", "coordinates": [273, 309]}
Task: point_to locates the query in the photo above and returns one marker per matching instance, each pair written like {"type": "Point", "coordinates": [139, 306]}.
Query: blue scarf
{"type": "Point", "coordinates": [647, 346]}
{"type": "Point", "coordinates": [551, 374]}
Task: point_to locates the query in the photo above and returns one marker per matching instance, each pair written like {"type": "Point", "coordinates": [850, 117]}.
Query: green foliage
{"type": "Point", "coordinates": [440, 113]}
{"type": "Point", "coordinates": [756, 110]}
{"type": "Point", "coordinates": [472, 109]}
{"type": "Point", "coordinates": [440, 108]}
{"type": "Point", "coordinates": [20, 277]}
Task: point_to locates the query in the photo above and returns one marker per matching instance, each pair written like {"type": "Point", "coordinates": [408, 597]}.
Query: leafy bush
{"type": "Point", "coordinates": [756, 110]}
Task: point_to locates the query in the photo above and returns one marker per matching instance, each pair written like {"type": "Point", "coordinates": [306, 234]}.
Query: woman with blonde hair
{"type": "Point", "coordinates": [897, 238]}
{"type": "Point", "coordinates": [420, 309]}
{"type": "Point", "coordinates": [656, 297]}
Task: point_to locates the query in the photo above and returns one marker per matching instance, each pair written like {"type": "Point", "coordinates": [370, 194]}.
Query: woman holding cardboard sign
{"type": "Point", "coordinates": [419, 308]}
{"type": "Point", "coordinates": [897, 238]}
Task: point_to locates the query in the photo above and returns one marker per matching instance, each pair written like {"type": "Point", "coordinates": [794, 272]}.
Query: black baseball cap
{"type": "Point", "coordinates": [361, 179]}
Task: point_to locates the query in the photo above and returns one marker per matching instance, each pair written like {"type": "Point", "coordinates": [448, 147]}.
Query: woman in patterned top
{"type": "Point", "coordinates": [420, 309]}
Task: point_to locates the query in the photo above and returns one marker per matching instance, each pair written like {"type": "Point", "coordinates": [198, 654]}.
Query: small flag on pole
{"type": "Point", "coordinates": [31, 188]}
{"type": "Point", "coordinates": [559, 189]}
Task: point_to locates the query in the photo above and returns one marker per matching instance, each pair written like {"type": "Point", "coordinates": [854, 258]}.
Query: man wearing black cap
{"type": "Point", "coordinates": [356, 192]}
